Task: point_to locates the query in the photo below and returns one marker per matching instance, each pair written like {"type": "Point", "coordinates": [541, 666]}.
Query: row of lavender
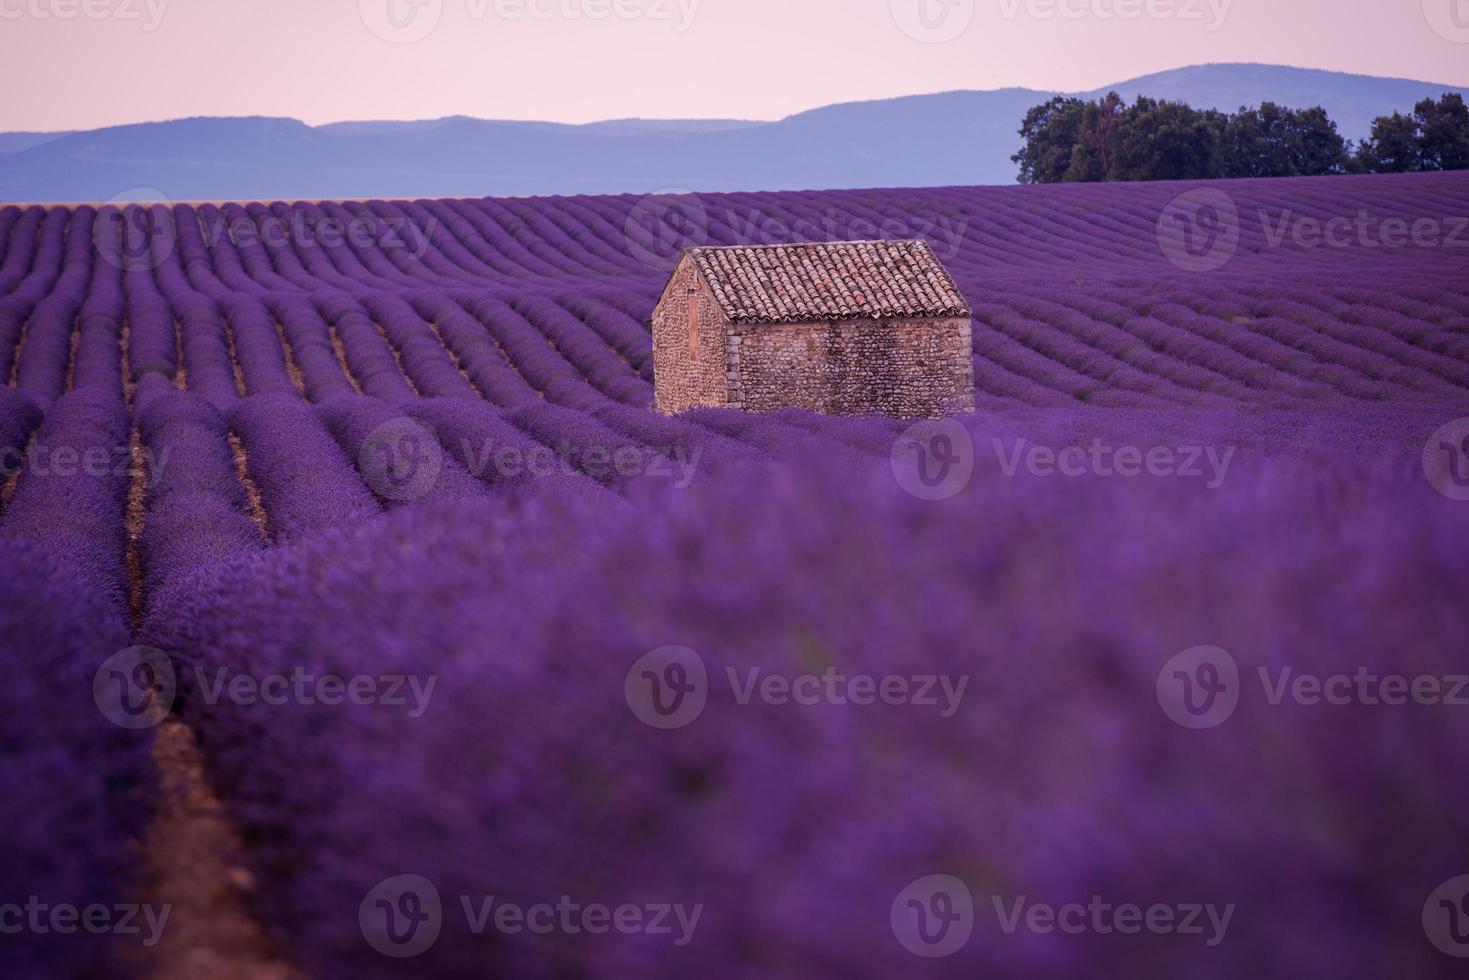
{"type": "Point", "coordinates": [529, 626]}
{"type": "Point", "coordinates": [510, 301]}
{"type": "Point", "coordinates": [248, 382]}
{"type": "Point", "coordinates": [78, 787]}
{"type": "Point", "coordinates": [105, 514]}
{"type": "Point", "coordinates": [515, 766]}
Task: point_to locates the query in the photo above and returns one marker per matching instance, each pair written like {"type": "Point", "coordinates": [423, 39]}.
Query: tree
{"type": "Point", "coordinates": [1434, 137]}
{"type": "Point", "coordinates": [1095, 153]}
{"type": "Point", "coordinates": [1051, 132]}
{"type": "Point", "coordinates": [1393, 146]}
{"type": "Point", "coordinates": [1067, 139]}
{"type": "Point", "coordinates": [1274, 141]}
{"type": "Point", "coordinates": [1167, 141]}
{"type": "Point", "coordinates": [1443, 133]}
{"type": "Point", "coordinates": [1317, 144]}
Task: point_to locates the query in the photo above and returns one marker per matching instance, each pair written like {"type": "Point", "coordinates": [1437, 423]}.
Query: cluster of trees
{"type": "Point", "coordinates": [1070, 139]}
{"type": "Point", "coordinates": [1434, 137]}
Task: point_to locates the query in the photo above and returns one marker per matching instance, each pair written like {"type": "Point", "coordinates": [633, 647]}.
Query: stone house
{"type": "Point", "coordinates": [843, 328]}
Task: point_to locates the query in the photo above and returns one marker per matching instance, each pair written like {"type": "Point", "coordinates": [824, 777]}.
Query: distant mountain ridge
{"type": "Point", "coordinates": [962, 137]}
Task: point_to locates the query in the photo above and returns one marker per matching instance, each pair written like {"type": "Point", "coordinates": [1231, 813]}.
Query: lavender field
{"type": "Point", "coordinates": [1175, 624]}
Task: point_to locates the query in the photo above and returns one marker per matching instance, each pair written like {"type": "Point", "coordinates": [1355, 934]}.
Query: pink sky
{"type": "Point", "coordinates": [70, 64]}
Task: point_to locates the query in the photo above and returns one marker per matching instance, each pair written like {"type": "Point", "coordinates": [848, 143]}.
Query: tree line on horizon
{"type": "Point", "coordinates": [1075, 140]}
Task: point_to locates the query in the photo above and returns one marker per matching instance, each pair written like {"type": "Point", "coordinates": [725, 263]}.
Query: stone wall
{"type": "Point", "coordinates": [684, 378]}
{"type": "Point", "coordinates": [900, 368]}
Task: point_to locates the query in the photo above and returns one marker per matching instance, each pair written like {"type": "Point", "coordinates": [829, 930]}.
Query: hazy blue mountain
{"type": "Point", "coordinates": [15, 142]}
{"type": "Point", "coordinates": [1353, 101]}
{"type": "Point", "coordinates": [926, 140]}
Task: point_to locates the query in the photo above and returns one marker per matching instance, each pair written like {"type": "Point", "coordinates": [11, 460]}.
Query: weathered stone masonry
{"type": "Point", "coordinates": [761, 330]}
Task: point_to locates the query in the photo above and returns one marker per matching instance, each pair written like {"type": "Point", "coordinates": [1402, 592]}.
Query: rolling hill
{"type": "Point", "coordinates": [928, 140]}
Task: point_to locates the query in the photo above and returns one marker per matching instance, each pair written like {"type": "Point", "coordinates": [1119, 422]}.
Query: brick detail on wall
{"type": "Point", "coordinates": [904, 368]}
{"type": "Point", "coordinates": [685, 380]}
{"type": "Point", "coordinates": [901, 368]}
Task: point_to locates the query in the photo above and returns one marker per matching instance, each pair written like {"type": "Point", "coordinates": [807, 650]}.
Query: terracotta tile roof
{"type": "Point", "coordinates": [829, 281]}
